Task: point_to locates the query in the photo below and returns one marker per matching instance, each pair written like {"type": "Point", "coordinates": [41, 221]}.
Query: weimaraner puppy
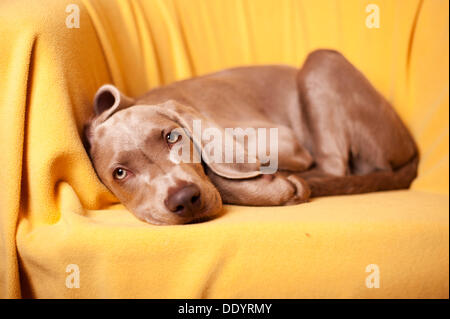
{"type": "Point", "coordinates": [335, 135]}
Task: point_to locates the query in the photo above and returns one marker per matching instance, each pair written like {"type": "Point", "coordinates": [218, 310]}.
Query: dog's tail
{"type": "Point", "coordinates": [400, 178]}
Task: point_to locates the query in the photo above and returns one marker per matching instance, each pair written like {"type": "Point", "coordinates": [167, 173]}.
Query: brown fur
{"type": "Point", "coordinates": [337, 135]}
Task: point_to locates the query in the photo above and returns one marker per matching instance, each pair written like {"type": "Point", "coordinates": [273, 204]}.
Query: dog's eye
{"type": "Point", "coordinates": [120, 173]}
{"type": "Point", "coordinates": [173, 137]}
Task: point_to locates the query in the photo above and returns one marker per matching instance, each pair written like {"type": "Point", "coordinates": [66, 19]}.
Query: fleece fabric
{"type": "Point", "coordinates": [57, 220]}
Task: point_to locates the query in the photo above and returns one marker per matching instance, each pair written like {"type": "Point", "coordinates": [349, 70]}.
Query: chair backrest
{"type": "Point", "coordinates": [401, 46]}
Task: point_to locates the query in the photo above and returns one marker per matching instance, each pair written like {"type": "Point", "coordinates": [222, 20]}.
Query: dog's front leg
{"type": "Point", "coordinates": [266, 190]}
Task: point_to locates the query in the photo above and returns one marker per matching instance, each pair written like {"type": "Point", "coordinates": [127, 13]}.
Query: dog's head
{"type": "Point", "coordinates": [131, 147]}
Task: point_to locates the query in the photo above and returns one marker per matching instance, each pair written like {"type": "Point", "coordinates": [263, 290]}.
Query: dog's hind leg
{"type": "Point", "coordinates": [354, 130]}
{"type": "Point", "coordinates": [324, 184]}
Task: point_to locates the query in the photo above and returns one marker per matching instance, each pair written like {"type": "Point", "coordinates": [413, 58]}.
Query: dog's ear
{"type": "Point", "coordinates": [186, 115]}
{"type": "Point", "coordinates": [109, 100]}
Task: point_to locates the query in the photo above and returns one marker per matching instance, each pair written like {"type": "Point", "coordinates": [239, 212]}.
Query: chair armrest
{"type": "Point", "coordinates": [48, 76]}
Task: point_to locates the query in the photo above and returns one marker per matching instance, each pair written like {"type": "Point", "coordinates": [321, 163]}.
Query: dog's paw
{"type": "Point", "coordinates": [302, 192]}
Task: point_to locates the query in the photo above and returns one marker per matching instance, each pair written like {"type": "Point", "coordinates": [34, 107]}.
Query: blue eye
{"type": "Point", "coordinates": [173, 137]}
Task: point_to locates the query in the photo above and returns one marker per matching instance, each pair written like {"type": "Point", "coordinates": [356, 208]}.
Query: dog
{"type": "Point", "coordinates": [336, 135]}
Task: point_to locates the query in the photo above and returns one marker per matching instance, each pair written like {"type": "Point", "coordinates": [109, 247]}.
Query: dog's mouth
{"type": "Point", "coordinates": [195, 219]}
{"type": "Point", "coordinates": [202, 215]}
{"type": "Point", "coordinates": [201, 219]}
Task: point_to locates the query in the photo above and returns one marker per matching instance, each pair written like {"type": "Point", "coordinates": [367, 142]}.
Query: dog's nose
{"type": "Point", "coordinates": [184, 200]}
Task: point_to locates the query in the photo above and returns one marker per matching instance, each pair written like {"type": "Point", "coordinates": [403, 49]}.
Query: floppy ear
{"type": "Point", "coordinates": [109, 100]}
{"type": "Point", "coordinates": [185, 116]}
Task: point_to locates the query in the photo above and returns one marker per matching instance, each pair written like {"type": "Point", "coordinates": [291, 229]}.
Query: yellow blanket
{"type": "Point", "coordinates": [59, 223]}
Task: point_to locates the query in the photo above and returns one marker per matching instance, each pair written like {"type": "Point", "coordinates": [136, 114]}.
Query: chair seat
{"type": "Point", "coordinates": [316, 250]}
